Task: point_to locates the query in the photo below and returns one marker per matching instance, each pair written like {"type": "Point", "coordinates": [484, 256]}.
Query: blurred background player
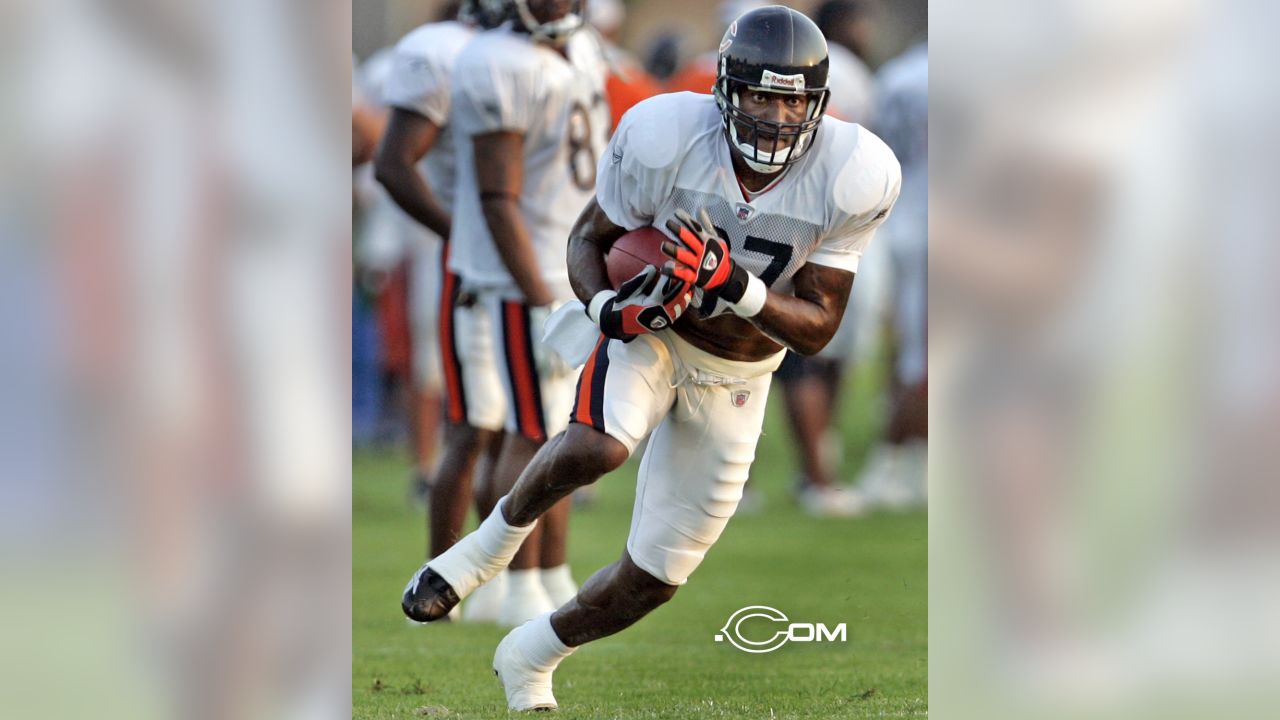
{"type": "Point", "coordinates": [698, 74]}
{"type": "Point", "coordinates": [628, 82]}
{"type": "Point", "coordinates": [416, 163]}
{"type": "Point", "coordinates": [896, 474]}
{"type": "Point", "coordinates": [530, 121]}
{"type": "Point", "coordinates": [811, 385]}
{"type": "Point", "coordinates": [853, 87]}
{"type": "Point", "coordinates": [393, 253]}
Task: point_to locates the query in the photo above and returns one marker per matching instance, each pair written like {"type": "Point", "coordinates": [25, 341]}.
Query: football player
{"type": "Point", "coordinates": [418, 91]}
{"type": "Point", "coordinates": [895, 475]}
{"type": "Point", "coordinates": [769, 206]}
{"type": "Point", "coordinates": [530, 120]}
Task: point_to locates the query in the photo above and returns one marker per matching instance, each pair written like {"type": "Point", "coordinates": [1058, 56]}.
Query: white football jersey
{"type": "Point", "coordinates": [904, 121]}
{"type": "Point", "coordinates": [853, 87]}
{"type": "Point", "coordinates": [420, 82]}
{"type": "Point", "coordinates": [504, 81]}
{"type": "Point", "coordinates": [670, 152]}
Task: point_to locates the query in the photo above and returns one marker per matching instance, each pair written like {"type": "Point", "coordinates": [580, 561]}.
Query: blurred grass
{"type": "Point", "coordinates": [869, 573]}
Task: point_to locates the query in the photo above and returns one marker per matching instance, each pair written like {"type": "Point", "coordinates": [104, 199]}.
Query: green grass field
{"type": "Point", "coordinates": [869, 573]}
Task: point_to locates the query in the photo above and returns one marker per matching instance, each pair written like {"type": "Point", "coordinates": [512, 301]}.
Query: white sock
{"type": "Point", "coordinates": [540, 645]}
{"type": "Point", "coordinates": [559, 584]}
{"type": "Point", "coordinates": [482, 554]}
{"type": "Point", "coordinates": [523, 582]}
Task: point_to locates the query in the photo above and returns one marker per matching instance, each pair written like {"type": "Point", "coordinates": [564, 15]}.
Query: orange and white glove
{"type": "Point", "coordinates": [702, 258]}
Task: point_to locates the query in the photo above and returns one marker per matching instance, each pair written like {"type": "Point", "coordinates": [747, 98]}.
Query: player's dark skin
{"type": "Point", "coordinates": [620, 594]}
{"type": "Point", "coordinates": [499, 162]}
{"type": "Point", "coordinates": [408, 139]}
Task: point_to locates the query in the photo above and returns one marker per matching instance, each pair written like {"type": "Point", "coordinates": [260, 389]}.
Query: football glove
{"type": "Point", "coordinates": [649, 302]}
{"type": "Point", "coordinates": [702, 258]}
{"type": "Point", "coordinates": [700, 249]}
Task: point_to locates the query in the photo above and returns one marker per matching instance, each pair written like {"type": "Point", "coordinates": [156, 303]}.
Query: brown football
{"type": "Point", "coordinates": [633, 251]}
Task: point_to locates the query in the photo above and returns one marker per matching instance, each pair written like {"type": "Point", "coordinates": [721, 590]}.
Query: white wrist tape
{"type": "Point", "coordinates": [752, 301]}
{"type": "Point", "coordinates": [597, 302]}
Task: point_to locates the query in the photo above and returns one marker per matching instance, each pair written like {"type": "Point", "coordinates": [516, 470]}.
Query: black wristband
{"type": "Point", "coordinates": [610, 324]}
{"type": "Point", "coordinates": [736, 286]}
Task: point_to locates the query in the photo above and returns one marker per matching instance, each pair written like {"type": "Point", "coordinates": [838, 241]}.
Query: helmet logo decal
{"type": "Point", "coordinates": [771, 79]}
{"type": "Point", "coordinates": [724, 44]}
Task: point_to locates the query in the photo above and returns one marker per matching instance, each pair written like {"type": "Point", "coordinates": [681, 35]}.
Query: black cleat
{"type": "Point", "coordinates": [428, 597]}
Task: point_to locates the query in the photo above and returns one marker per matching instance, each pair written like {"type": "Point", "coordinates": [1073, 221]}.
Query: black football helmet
{"type": "Point", "coordinates": [486, 13]}
{"type": "Point", "coordinates": [777, 50]}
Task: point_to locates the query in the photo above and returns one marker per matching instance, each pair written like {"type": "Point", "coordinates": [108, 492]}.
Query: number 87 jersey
{"type": "Point", "coordinates": [670, 152]}
{"type": "Point", "coordinates": [505, 82]}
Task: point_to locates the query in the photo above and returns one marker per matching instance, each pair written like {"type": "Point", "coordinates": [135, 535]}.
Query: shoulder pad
{"type": "Point", "coordinates": [870, 173]}
{"type": "Point", "coordinates": [662, 127]}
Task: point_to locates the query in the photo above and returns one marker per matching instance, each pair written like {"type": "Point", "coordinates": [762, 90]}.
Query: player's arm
{"type": "Point", "coordinates": [807, 321]}
{"type": "Point", "coordinates": [645, 303]}
{"type": "Point", "coordinates": [366, 127]}
{"type": "Point", "coordinates": [409, 137]}
{"type": "Point", "coordinates": [592, 236]}
{"type": "Point", "coordinates": [500, 180]}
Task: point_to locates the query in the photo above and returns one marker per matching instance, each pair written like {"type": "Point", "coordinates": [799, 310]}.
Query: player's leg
{"type": "Point", "coordinates": [485, 604]}
{"type": "Point", "coordinates": [623, 391]}
{"type": "Point", "coordinates": [451, 490]}
{"type": "Point", "coordinates": [808, 413]}
{"type": "Point", "coordinates": [636, 376]}
{"type": "Point", "coordinates": [475, 412]}
{"type": "Point", "coordinates": [425, 285]}
{"type": "Point", "coordinates": [577, 457]}
{"type": "Point", "coordinates": [474, 408]}
{"type": "Point", "coordinates": [895, 474]}
{"type": "Point", "coordinates": [484, 493]}
{"type": "Point", "coordinates": [611, 600]}
{"type": "Point", "coordinates": [539, 393]}
{"type": "Point", "coordinates": [553, 553]}
{"type": "Point", "coordinates": [690, 481]}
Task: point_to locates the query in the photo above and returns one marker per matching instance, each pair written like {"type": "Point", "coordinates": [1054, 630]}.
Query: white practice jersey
{"type": "Point", "coordinates": [904, 122]}
{"type": "Point", "coordinates": [670, 152]}
{"type": "Point", "coordinates": [420, 82]}
{"type": "Point", "coordinates": [505, 82]}
{"type": "Point", "coordinates": [853, 87]}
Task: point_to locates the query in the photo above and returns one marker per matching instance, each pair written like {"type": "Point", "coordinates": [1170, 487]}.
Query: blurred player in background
{"type": "Point", "coordinates": [787, 202]}
{"type": "Point", "coordinates": [895, 475]}
{"type": "Point", "coordinates": [418, 91]}
{"type": "Point", "coordinates": [531, 120]}
{"type": "Point", "coordinates": [811, 385]}
{"type": "Point", "coordinates": [389, 250]}
{"type": "Point", "coordinates": [628, 82]}
{"type": "Point", "coordinates": [844, 23]}
{"type": "Point", "coordinates": [698, 74]}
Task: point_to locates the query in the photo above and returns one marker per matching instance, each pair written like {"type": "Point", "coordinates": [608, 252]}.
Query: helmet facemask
{"type": "Point", "coordinates": [556, 32]}
{"type": "Point", "coordinates": [785, 143]}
